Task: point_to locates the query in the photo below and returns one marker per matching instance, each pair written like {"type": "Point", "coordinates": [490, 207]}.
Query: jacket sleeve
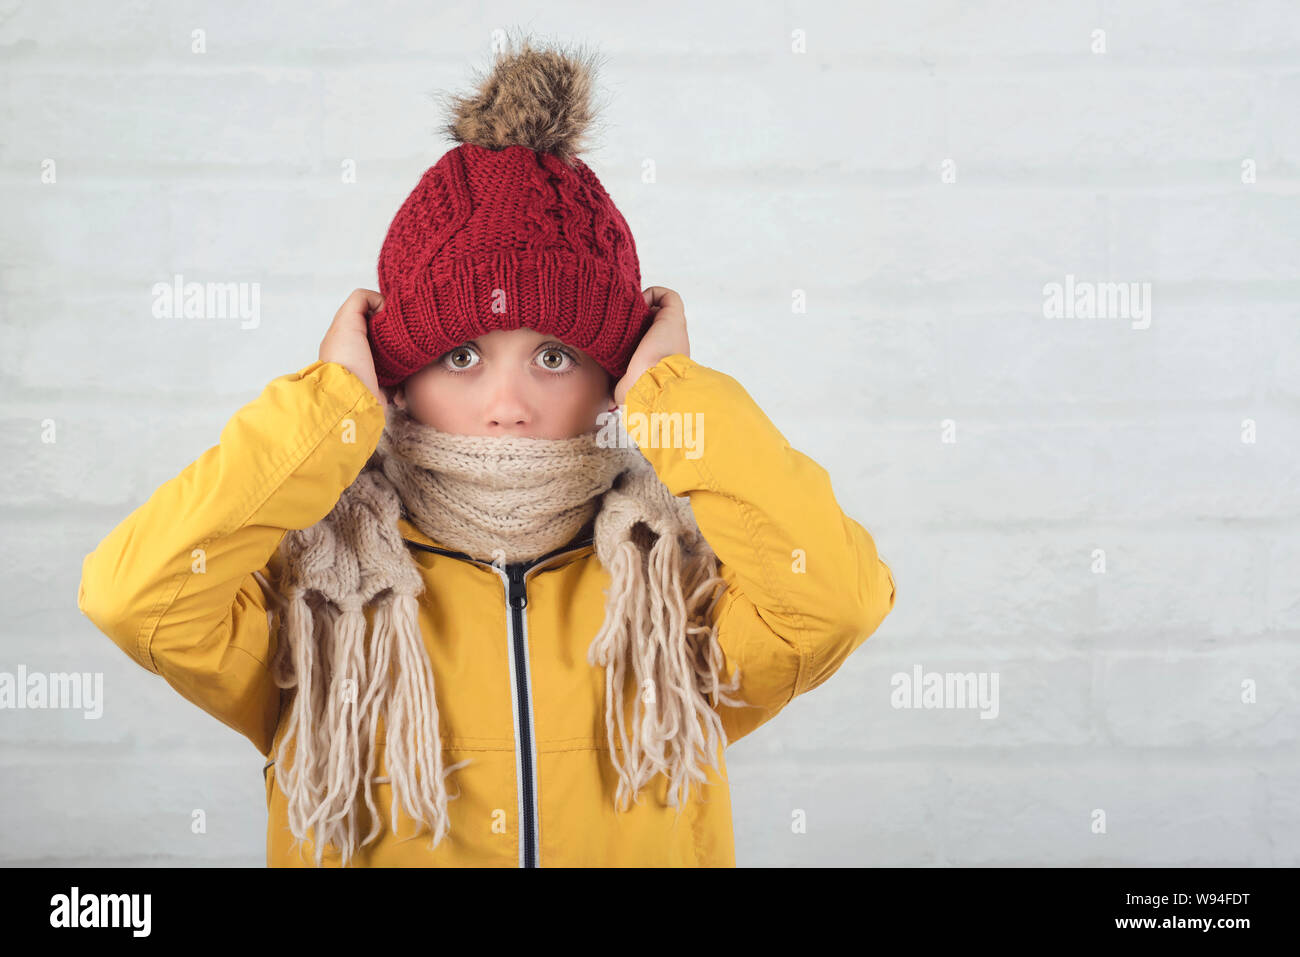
{"type": "Point", "coordinates": [805, 586]}
{"type": "Point", "coordinates": [176, 584]}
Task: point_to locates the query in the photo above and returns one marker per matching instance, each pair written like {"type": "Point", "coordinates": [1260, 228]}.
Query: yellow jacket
{"type": "Point", "coordinates": [178, 586]}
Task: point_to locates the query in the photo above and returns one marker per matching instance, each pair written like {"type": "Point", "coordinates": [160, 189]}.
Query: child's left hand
{"type": "Point", "coordinates": [666, 336]}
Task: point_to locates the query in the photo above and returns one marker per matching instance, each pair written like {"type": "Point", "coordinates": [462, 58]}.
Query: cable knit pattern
{"type": "Point", "coordinates": [505, 239]}
{"type": "Point", "coordinates": [511, 229]}
{"type": "Point", "coordinates": [499, 501]}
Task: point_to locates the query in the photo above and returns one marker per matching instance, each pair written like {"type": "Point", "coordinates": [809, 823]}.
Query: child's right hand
{"type": "Point", "coordinates": [347, 344]}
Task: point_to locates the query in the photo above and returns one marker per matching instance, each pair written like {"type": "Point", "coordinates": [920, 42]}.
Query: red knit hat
{"type": "Point", "coordinates": [511, 229]}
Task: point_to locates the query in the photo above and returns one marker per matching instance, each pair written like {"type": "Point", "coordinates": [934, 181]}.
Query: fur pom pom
{"type": "Point", "coordinates": [538, 98]}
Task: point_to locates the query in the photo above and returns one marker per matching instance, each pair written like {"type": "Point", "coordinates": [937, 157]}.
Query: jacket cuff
{"type": "Point", "coordinates": [339, 380]}
{"type": "Point", "coordinates": [646, 391]}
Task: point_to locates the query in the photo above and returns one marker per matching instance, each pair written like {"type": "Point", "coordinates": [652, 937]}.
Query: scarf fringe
{"type": "Point", "coordinates": [654, 619]}
{"type": "Point", "coordinates": [325, 775]}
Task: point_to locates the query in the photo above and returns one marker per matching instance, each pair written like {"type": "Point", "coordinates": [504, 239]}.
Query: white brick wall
{"type": "Point", "coordinates": [776, 171]}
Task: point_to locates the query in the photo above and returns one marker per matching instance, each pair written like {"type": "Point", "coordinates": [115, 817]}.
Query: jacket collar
{"type": "Point", "coordinates": [413, 534]}
{"type": "Point", "coordinates": [581, 545]}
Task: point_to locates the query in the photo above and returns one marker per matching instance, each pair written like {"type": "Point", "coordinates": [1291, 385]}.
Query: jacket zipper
{"type": "Point", "coordinates": [516, 599]}
{"type": "Point", "coordinates": [515, 578]}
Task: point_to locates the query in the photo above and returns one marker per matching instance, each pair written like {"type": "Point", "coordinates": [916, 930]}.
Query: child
{"type": "Point", "coordinates": [429, 546]}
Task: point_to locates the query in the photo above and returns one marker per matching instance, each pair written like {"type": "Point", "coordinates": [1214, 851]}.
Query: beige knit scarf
{"type": "Point", "coordinates": [501, 500]}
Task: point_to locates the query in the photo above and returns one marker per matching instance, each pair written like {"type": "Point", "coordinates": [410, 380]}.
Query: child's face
{"type": "Point", "coordinates": [510, 382]}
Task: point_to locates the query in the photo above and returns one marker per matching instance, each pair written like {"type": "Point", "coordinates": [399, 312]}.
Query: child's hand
{"type": "Point", "coordinates": [347, 344]}
{"type": "Point", "coordinates": [665, 337]}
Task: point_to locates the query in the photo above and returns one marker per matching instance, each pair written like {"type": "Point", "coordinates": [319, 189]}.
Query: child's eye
{"type": "Point", "coordinates": [553, 360]}
{"type": "Point", "coordinates": [452, 359]}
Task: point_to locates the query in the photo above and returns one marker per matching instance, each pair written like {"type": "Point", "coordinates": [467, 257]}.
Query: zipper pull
{"type": "Point", "coordinates": [518, 595]}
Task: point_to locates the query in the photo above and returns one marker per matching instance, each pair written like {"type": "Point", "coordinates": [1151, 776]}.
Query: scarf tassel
{"type": "Point", "coordinates": [326, 773]}
{"type": "Point", "coordinates": [676, 661]}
